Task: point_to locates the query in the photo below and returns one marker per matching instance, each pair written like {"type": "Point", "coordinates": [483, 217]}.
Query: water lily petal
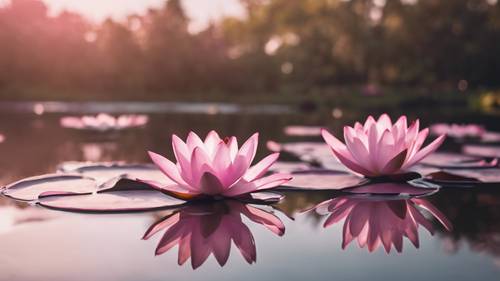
{"type": "Point", "coordinates": [369, 122]}
{"type": "Point", "coordinates": [233, 148]}
{"type": "Point", "coordinates": [244, 187]}
{"type": "Point", "coordinates": [394, 165]}
{"type": "Point", "coordinates": [211, 141]}
{"type": "Point", "coordinates": [261, 168]}
{"type": "Point", "coordinates": [425, 151]}
{"type": "Point", "coordinates": [200, 163]}
{"type": "Point", "coordinates": [435, 212]}
{"type": "Point", "coordinates": [180, 148]}
{"type": "Point", "coordinates": [384, 122]}
{"type": "Point", "coordinates": [193, 141]}
{"type": "Point", "coordinates": [167, 167]}
{"type": "Point", "coordinates": [243, 239]}
{"type": "Point", "coordinates": [210, 184]}
{"type": "Point", "coordinates": [222, 158]}
{"type": "Point", "coordinates": [332, 141]}
{"type": "Point", "coordinates": [269, 220]}
{"type": "Point", "coordinates": [249, 149]}
{"type": "Point", "coordinates": [221, 243]}
{"type": "Point", "coordinates": [169, 239]}
{"type": "Point", "coordinates": [344, 156]}
{"type": "Point", "coordinates": [161, 225]}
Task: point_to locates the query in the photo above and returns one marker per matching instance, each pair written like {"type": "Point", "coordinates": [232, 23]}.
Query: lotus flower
{"type": "Point", "coordinates": [380, 148]}
{"type": "Point", "coordinates": [209, 228]}
{"type": "Point", "coordinates": [103, 122]}
{"type": "Point", "coordinates": [375, 222]}
{"type": "Point", "coordinates": [458, 131]}
{"type": "Point", "coordinates": [215, 167]}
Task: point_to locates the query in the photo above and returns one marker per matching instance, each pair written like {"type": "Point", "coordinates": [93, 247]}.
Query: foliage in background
{"type": "Point", "coordinates": [287, 46]}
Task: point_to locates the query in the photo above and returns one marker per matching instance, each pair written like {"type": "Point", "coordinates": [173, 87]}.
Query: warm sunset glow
{"type": "Point", "coordinates": [200, 11]}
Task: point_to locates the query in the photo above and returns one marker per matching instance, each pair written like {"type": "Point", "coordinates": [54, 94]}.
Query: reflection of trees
{"type": "Point", "coordinates": [475, 216]}
{"type": "Point", "coordinates": [279, 45]}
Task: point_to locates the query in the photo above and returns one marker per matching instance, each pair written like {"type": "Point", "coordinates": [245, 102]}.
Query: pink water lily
{"type": "Point", "coordinates": [380, 148]}
{"type": "Point", "coordinates": [201, 230]}
{"type": "Point", "coordinates": [215, 167]}
{"type": "Point", "coordinates": [103, 122]}
{"type": "Point", "coordinates": [381, 222]}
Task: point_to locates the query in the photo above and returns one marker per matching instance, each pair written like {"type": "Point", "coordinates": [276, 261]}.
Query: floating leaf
{"type": "Point", "coordinates": [491, 137]}
{"type": "Point", "coordinates": [289, 167]}
{"type": "Point", "coordinates": [262, 197]}
{"type": "Point", "coordinates": [424, 169]}
{"type": "Point", "coordinates": [466, 177]}
{"type": "Point", "coordinates": [441, 159]}
{"type": "Point", "coordinates": [112, 201]}
{"type": "Point", "coordinates": [304, 150]}
{"type": "Point", "coordinates": [312, 152]}
{"type": "Point", "coordinates": [123, 183]}
{"type": "Point", "coordinates": [482, 150]}
{"type": "Point", "coordinates": [103, 173]}
{"type": "Point", "coordinates": [71, 166]}
{"type": "Point", "coordinates": [323, 180]}
{"type": "Point", "coordinates": [392, 189]}
{"type": "Point", "coordinates": [302, 131]}
{"type": "Point", "coordinates": [30, 188]}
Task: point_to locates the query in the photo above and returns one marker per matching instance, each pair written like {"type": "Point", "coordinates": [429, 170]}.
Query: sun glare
{"type": "Point", "coordinates": [201, 12]}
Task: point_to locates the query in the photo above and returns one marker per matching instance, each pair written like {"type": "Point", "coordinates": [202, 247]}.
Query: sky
{"type": "Point", "coordinates": [201, 12]}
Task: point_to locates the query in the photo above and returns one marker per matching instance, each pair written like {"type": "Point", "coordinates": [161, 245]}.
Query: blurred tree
{"type": "Point", "coordinates": [168, 48]}
{"type": "Point", "coordinates": [121, 58]}
{"type": "Point", "coordinates": [279, 45]}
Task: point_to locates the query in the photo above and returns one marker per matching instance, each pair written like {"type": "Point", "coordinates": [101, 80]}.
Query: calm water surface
{"type": "Point", "coordinates": [39, 244]}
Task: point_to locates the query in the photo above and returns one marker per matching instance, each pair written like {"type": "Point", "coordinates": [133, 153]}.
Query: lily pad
{"type": "Point", "coordinates": [71, 166]}
{"type": "Point", "coordinates": [311, 152]}
{"type": "Point", "coordinates": [262, 197]}
{"type": "Point", "coordinates": [112, 201]}
{"type": "Point", "coordinates": [491, 137]}
{"type": "Point", "coordinates": [401, 189]}
{"type": "Point", "coordinates": [302, 131]}
{"type": "Point", "coordinates": [289, 167]}
{"type": "Point", "coordinates": [105, 172]}
{"type": "Point", "coordinates": [482, 150]}
{"type": "Point", "coordinates": [466, 177]}
{"type": "Point", "coordinates": [304, 150]}
{"type": "Point", "coordinates": [441, 159]}
{"type": "Point", "coordinates": [30, 188]}
{"type": "Point", "coordinates": [323, 180]}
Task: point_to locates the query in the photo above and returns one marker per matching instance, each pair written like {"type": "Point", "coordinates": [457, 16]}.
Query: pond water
{"type": "Point", "coordinates": [42, 244]}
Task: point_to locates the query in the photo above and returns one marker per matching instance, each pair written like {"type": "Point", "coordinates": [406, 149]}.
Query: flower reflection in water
{"type": "Point", "coordinates": [209, 228]}
{"type": "Point", "coordinates": [381, 221]}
